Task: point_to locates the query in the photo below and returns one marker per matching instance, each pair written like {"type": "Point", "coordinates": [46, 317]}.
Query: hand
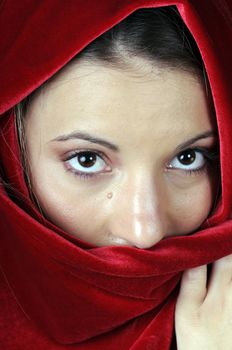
{"type": "Point", "coordinates": [203, 316]}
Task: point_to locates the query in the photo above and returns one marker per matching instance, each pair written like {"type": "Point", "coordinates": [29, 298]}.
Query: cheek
{"type": "Point", "coordinates": [193, 207]}
{"type": "Point", "coordinates": [76, 213]}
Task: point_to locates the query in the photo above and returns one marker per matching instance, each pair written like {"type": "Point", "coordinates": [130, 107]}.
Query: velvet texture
{"type": "Point", "coordinates": [57, 292]}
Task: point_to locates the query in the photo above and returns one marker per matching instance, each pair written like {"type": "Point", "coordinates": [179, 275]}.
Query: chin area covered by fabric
{"type": "Point", "coordinates": [57, 292]}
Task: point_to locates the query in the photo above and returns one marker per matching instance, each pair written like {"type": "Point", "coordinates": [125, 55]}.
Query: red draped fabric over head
{"type": "Point", "coordinates": [57, 292]}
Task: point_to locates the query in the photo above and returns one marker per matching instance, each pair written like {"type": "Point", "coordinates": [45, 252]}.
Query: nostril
{"type": "Point", "coordinates": [142, 242]}
{"type": "Point", "coordinates": [147, 245]}
{"type": "Point", "coordinates": [118, 241]}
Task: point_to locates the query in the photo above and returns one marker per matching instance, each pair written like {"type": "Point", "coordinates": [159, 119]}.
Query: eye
{"type": "Point", "coordinates": [86, 162]}
{"type": "Point", "coordinates": [189, 160]}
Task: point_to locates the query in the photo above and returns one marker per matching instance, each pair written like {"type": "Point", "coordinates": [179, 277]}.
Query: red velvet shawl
{"type": "Point", "coordinates": [57, 292]}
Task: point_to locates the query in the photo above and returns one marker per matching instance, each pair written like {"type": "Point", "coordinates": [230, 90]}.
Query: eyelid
{"type": "Point", "coordinates": [211, 154]}
{"type": "Point", "coordinates": [72, 154]}
{"type": "Point", "coordinates": [208, 152]}
{"type": "Point", "coordinates": [210, 135]}
{"type": "Point", "coordinates": [87, 174]}
{"type": "Point", "coordinates": [187, 167]}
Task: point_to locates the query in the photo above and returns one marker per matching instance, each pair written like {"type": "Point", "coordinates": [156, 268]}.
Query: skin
{"type": "Point", "coordinates": [141, 194]}
{"type": "Point", "coordinates": [204, 308]}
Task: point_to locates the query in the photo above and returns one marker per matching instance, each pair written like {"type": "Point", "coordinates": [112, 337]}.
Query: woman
{"type": "Point", "coordinates": [141, 131]}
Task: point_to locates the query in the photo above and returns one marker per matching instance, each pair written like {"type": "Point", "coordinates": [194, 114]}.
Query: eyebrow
{"type": "Point", "coordinates": [93, 139]}
{"type": "Point", "coordinates": [87, 137]}
{"type": "Point", "coordinates": [198, 137]}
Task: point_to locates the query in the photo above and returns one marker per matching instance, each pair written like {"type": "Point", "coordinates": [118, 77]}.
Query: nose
{"type": "Point", "coordinates": [137, 213]}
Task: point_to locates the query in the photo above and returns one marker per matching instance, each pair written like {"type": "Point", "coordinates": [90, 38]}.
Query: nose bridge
{"type": "Point", "coordinates": [139, 218]}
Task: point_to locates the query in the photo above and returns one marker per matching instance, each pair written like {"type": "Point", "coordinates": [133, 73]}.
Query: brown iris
{"type": "Point", "coordinates": [187, 157]}
{"type": "Point", "coordinates": [87, 159]}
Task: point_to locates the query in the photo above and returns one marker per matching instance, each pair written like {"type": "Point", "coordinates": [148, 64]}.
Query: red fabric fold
{"type": "Point", "coordinates": [56, 290]}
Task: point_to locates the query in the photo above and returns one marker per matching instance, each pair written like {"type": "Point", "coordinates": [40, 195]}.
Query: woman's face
{"type": "Point", "coordinates": [122, 157]}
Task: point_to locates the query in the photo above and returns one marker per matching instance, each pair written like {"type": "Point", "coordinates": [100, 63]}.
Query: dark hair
{"type": "Point", "coordinates": [158, 35]}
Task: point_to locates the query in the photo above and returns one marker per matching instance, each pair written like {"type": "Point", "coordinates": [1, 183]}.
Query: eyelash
{"type": "Point", "coordinates": [83, 175]}
{"type": "Point", "coordinates": [211, 155]}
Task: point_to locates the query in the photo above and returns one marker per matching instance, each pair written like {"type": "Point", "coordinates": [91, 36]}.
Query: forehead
{"type": "Point", "coordinates": [105, 98]}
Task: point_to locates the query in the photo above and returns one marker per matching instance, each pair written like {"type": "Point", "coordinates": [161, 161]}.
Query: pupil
{"type": "Point", "coordinates": [87, 159]}
{"type": "Point", "coordinates": [187, 157]}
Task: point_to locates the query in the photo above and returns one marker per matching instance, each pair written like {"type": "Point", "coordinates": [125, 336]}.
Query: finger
{"type": "Point", "coordinates": [193, 288]}
{"type": "Point", "coordinates": [221, 276]}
